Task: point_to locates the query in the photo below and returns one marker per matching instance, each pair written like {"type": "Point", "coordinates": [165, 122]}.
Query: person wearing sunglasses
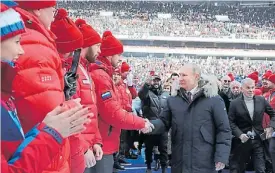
{"type": "Point", "coordinates": [225, 91]}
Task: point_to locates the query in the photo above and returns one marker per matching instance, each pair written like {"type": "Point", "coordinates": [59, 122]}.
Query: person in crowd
{"type": "Point", "coordinates": [127, 78]}
{"type": "Point", "coordinates": [112, 117]}
{"type": "Point", "coordinates": [33, 152]}
{"type": "Point", "coordinates": [205, 123]}
{"type": "Point", "coordinates": [153, 102]}
{"type": "Point", "coordinates": [83, 146]}
{"type": "Point", "coordinates": [235, 87]}
{"type": "Point", "coordinates": [119, 161]}
{"type": "Point", "coordinates": [39, 84]}
{"type": "Point", "coordinates": [265, 82]}
{"type": "Point", "coordinates": [226, 92]}
{"type": "Point", "coordinates": [130, 94]}
{"type": "Point", "coordinates": [246, 115]}
{"type": "Point", "coordinates": [89, 53]}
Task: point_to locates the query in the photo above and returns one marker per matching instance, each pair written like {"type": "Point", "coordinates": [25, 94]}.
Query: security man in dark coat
{"type": "Point", "coordinates": [201, 135]}
{"type": "Point", "coordinates": [246, 116]}
{"type": "Point", "coordinates": [153, 100]}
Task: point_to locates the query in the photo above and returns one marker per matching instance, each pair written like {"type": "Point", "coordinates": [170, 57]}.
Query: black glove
{"type": "Point", "coordinates": [70, 85]}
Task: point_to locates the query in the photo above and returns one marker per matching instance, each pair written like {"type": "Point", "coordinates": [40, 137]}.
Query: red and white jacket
{"type": "Point", "coordinates": [86, 91]}
{"type": "Point", "coordinates": [112, 116]}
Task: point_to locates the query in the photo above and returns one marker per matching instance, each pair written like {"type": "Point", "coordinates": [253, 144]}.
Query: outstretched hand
{"type": "Point", "coordinates": [149, 127]}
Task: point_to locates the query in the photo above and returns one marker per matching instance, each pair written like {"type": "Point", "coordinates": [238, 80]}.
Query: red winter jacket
{"type": "Point", "coordinates": [270, 97]}
{"type": "Point", "coordinates": [112, 117]}
{"type": "Point", "coordinates": [38, 86]}
{"type": "Point", "coordinates": [125, 96]}
{"type": "Point", "coordinates": [19, 153]}
{"type": "Point", "coordinates": [133, 92]}
{"type": "Point", "coordinates": [86, 91]}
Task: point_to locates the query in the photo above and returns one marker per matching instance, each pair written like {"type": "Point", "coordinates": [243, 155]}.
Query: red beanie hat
{"type": "Point", "coordinates": [272, 78]}
{"type": "Point", "coordinates": [231, 76]}
{"type": "Point", "coordinates": [35, 5]}
{"type": "Point", "coordinates": [125, 67]}
{"type": "Point", "coordinates": [256, 73]}
{"type": "Point", "coordinates": [258, 92]}
{"type": "Point", "coordinates": [90, 36]}
{"type": "Point", "coordinates": [110, 45]}
{"type": "Point", "coordinates": [69, 38]}
{"type": "Point", "coordinates": [254, 77]}
{"type": "Point", "coordinates": [267, 75]}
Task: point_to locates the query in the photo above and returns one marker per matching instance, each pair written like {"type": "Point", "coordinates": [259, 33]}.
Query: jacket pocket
{"type": "Point", "coordinates": [206, 135]}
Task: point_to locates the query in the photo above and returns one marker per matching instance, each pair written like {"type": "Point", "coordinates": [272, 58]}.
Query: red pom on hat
{"type": "Point", "coordinates": [272, 78]}
{"type": "Point", "coordinates": [107, 33]}
{"type": "Point", "coordinates": [110, 45]}
{"type": "Point", "coordinates": [254, 77]}
{"type": "Point", "coordinates": [90, 36]}
{"type": "Point", "coordinates": [256, 73]}
{"type": "Point", "coordinates": [267, 75]}
{"type": "Point", "coordinates": [35, 5]}
{"type": "Point", "coordinates": [61, 14]}
{"type": "Point", "coordinates": [80, 22]}
{"type": "Point", "coordinates": [125, 67]}
{"type": "Point", "coordinates": [69, 38]}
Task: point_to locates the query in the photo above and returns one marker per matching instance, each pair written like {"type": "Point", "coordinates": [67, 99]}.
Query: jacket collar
{"type": "Point", "coordinates": [32, 22]}
{"type": "Point", "coordinates": [8, 74]}
{"type": "Point", "coordinates": [102, 63]}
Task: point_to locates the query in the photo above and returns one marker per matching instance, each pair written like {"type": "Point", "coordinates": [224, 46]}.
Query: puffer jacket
{"type": "Point", "coordinates": [270, 97]}
{"type": "Point", "coordinates": [30, 153]}
{"type": "Point", "coordinates": [125, 96]}
{"type": "Point", "coordinates": [112, 117]}
{"type": "Point", "coordinates": [86, 91]}
{"type": "Point", "coordinates": [38, 85]}
{"type": "Point", "coordinates": [153, 102]}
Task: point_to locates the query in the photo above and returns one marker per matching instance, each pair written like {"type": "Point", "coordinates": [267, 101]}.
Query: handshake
{"type": "Point", "coordinates": [149, 127]}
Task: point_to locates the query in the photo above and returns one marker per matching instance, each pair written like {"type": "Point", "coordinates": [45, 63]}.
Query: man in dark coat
{"type": "Point", "coordinates": [201, 135]}
{"type": "Point", "coordinates": [153, 102]}
{"type": "Point", "coordinates": [246, 116]}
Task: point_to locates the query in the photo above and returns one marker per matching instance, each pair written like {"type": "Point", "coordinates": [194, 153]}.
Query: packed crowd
{"type": "Point", "coordinates": [164, 67]}
{"type": "Point", "coordinates": [67, 101]}
{"type": "Point", "coordinates": [139, 19]}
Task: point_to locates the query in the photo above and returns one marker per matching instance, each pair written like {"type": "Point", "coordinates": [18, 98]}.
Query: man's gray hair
{"type": "Point", "coordinates": [235, 83]}
{"type": "Point", "coordinates": [247, 80]}
{"type": "Point", "coordinates": [195, 68]}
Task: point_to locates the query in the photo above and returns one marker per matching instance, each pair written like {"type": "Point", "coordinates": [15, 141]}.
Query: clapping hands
{"type": "Point", "coordinates": [149, 127]}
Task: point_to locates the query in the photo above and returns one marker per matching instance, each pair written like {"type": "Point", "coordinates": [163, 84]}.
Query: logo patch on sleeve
{"type": "Point", "coordinates": [106, 95]}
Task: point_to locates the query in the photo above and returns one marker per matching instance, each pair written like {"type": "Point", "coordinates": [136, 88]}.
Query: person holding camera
{"type": "Point", "coordinates": [245, 116]}
{"type": "Point", "coordinates": [153, 102]}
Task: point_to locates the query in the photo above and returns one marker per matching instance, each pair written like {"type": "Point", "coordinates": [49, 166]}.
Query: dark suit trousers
{"type": "Point", "coordinates": [156, 140]}
{"type": "Point", "coordinates": [242, 152]}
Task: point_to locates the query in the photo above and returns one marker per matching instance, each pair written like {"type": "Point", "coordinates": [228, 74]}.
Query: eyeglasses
{"type": "Point", "coordinates": [227, 81]}
{"type": "Point", "coordinates": [235, 87]}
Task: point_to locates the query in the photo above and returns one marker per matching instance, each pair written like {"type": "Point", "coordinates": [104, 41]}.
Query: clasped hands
{"type": "Point", "coordinates": [149, 127]}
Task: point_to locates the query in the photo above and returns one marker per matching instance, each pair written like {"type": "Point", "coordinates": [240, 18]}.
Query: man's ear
{"type": "Point", "coordinates": [37, 13]}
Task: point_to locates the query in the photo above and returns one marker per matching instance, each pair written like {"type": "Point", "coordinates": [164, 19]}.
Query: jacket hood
{"type": "Point", "coordinates": [209, 84]}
